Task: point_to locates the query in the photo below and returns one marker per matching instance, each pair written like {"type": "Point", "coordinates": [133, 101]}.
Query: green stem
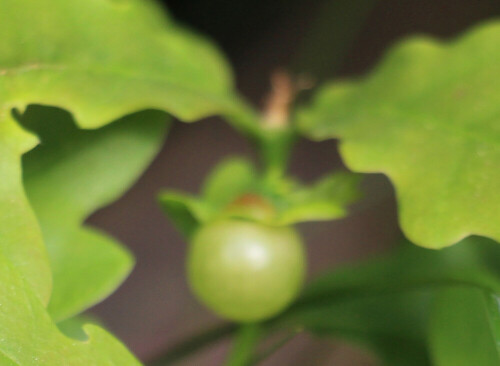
{"type": "Point", "coordinates": [274, 347]}
{"type": "Point", "coordinates": [245, 342]}
{"type": "Point", "coordinates": [323, 51]}
{"type": "Point", "coordinates": [193, 344]}
{"type": "Point", "coordinates": [274, 146]}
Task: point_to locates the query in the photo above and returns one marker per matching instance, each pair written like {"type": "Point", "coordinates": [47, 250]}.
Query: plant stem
{"type": "Point", "coordinates": [193, 344]}
{"type": "Point", "coordinates": [274, 347]}
{"type": "Point", "coordinates": [275, 147]}
{"type": "Point", "coordinates": [244, 344]}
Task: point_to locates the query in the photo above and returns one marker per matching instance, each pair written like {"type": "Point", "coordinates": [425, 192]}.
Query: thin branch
{"type": "Point", "coordinates": [274, 347]}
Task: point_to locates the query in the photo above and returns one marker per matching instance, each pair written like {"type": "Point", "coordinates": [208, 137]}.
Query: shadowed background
{"type": "Point", "coordinates": [325, 38]}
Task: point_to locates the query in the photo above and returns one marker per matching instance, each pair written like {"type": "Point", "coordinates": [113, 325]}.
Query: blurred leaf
{"type": "Point", "coordinates": [229, 179]}
{"type": "Point", "coordinates": [235, 189]}
{"type": "Point", "coordinates": [384, 304]}
{"type": "Point", "coordinates": [392, 326]}
{"type": "Point", "coordinates": [410, 267]}
{"type": "Point", "coordinates": [103, 59]}
{"type": "Point", "coordinates": [493, 309]}
{"type": "Point", "coordinates": [100, 60]}
{"type": "Point", "coordinates": [87, 267]}
{"type": "Point", "coordinates": [464, 328]}
{"type": "Point", "coordinates": [428, 118]}
{"type": "Point", "coordinates": [30, 338]}
{"type": "Point", "coordinates": [20, 236]}
{"type": "Point", "coordinates": [4, 361]}
{"type": "Point", "coordinates": [73, 327]}
{"type": "Point", "coordinates": [326, 199]}
{"type": "Point", "coordinates": [186, 212]}
{"type": "Point", "coordinates": [70, 175]}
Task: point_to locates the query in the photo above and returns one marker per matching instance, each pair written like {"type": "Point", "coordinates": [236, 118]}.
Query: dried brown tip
{"type": "Point", "coordinates": [282, 94]}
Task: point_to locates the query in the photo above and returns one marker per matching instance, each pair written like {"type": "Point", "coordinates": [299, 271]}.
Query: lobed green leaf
{"type": "Point", "coordinates": [427, 117]}
{"type": "Point", "coordinates": [71, 174]}
{"type": "Point", "coordinates": [99, 60]}
{"type": "Point", "coordinates": [102, 59]}
{"type": "Point", "coordinates": [30, 338]}
{"type": "Point", "coordinates": [20, 236]}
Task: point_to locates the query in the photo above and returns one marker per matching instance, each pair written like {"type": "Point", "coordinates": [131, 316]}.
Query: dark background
{"type": "Point", "coordinates": [326, 38]}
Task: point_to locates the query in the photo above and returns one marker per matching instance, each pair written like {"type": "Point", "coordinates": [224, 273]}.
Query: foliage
{"type": "Point", "coordinates": [274, 200]}
{"type": "Point", "coordinates": [464, 328]}
{"type": "Point", "coordinates": [391, 304]}
{"type": "Point", "coordinates": [85, 89]}
{"type": "Point", "coordinates": [86, 264]}
{"type": "Point", "coordinates": [428, 118]}
{"type": "Point", "coordinates": [132, 58]}
{"type": "Point", "coordinates": [30, 337]}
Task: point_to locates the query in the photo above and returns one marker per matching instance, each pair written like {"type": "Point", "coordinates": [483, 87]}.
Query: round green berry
{"type": "Point", "coordinates": [246, 271]}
